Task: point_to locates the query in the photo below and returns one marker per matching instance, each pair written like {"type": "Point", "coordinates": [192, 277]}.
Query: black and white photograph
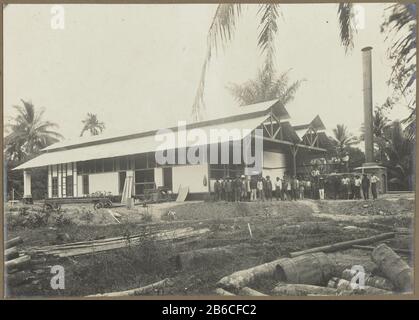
{"type": "Point", "coordinates": [211, 150]}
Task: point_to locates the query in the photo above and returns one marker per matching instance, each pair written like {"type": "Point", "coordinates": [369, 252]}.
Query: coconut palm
{"type": "Point", "coordinates": [400, 24]}
{"type": "Point", "coordinates": [265, 87]}
{"type": "Point", "coordinates": [29, 133]}
{"type": "Point", "coordinates": [343, 139]}
{"type": "Point", "coordinates": [223, 26]}
{"type": "Point", "coordinates": [399, 156]}
{"type": "Point", "coordinates": [92, 124]}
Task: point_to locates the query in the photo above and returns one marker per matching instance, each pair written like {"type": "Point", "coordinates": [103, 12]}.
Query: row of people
{"type": "Point", "coordinates": [260, 188]}
{"type": "Point", "coordinates": [350, 187]}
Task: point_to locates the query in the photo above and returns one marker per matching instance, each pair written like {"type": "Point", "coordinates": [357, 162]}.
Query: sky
{"type": "Point", "coordinates": [137, 66]}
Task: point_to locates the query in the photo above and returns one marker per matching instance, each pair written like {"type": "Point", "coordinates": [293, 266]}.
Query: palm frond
{"type": "Point", "coordinates": [266, 40]}
{"type": "Point", "coordinates": [347, 30]}
{"type": "Point", "coordinates": [400, 25]}
{"type": "Point", "coordinates": [221, 31]}
{"type": "Point", "coordinates": [265, 87]}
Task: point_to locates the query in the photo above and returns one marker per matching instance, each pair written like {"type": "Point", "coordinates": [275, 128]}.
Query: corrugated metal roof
{"type": "Point", "coordinates": [239, 112]}
{"type": "Point", "coordinates": [149, 143]}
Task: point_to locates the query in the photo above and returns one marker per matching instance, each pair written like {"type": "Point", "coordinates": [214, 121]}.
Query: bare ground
{"type": "Point", "coordinates": [277, 228]}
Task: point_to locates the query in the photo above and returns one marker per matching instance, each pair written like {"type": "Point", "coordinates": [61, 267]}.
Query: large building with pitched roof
{"type": "Point", "coordinates": [99, 163]}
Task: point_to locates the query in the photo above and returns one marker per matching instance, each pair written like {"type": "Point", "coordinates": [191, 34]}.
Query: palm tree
{"type": "Point", "coordinates": [343, 139]}
{"type": "Point", "coordinates": [264, 88]}
{"type": "Point", "coordinates": [92, 124]}
{"type": "Point", "coordinates": [29, 133]}
{"type": "Point", "coordinates": [399, 156]}
{"type": "Point", "coordinates": [380, 124]}
{"type": "Point", "coordinates": [400, 24]}
{"type": "Point", "coordinates": [224, 23]}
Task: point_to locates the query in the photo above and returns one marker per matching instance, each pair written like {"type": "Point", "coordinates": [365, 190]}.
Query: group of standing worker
{"type": "Point", "coordinates": [259, 188]}
{"type": "Point", "coordinates": [350, 187]}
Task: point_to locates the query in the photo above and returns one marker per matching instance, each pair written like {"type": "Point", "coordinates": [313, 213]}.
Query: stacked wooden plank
{"type": "Point", "coordinates": [94, 246]}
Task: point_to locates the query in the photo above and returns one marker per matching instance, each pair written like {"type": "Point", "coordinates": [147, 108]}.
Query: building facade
{"type": "Point", "coordinates": [102, 164]}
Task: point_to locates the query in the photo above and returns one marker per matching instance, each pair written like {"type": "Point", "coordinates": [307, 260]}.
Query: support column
{"type": "Point", "coordinates": [294, 151]}
{"type": "Point", "coordinates": [49, 181]}
{"type": "Point", "coordinates": [75, 187]}
{"type": "Point", "coordinates": [158, 177]}
{"type": "Point", "coordinates": [60, 180]}
{"type": "Point", "coordinates": [27, 188]}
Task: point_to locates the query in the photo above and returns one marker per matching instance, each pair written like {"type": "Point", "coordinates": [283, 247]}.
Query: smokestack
{"type": "Point", "coordinates": [367, 88]}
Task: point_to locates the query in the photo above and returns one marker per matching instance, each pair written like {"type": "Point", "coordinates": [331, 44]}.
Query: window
{"type": "Point", "coordinates": [69, 186]}
{"type": "Point", "coordinates": [99, 165]}
{"type": "Point", "coordinates": [89, 166]}
{"type": "Point", "coordinates": [218, 171]}
{"type": "Point", "coordinates": [123, 163]}
{"type": "Point", "coordinates": [80, 167]}
{"type": "Point", "coordinates": [151, 160]}
{"type": "Point", "coordinates": [85, 184]}
{"type": "Point", "coordinates": [108, 165]}
{"type": "Point", "coordinates": [144, 179]}
{"type": "Point", "coordinates": [143, 176]}
{"type": "Point", "coordinates": [141, 161]}
{"type": "Point", "coordinates": [55, 186]}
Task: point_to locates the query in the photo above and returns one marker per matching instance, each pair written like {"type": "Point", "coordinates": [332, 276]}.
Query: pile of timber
{"type": "Point", "coordinates": [13, 260]}
{"type": "Point", "coordinates": [313, 272]}
{"type": "Point", "coordinates": [94, 246]}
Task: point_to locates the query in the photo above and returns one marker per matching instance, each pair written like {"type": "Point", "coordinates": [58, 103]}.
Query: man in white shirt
{"type": "Point", "coordinates": [278, 189]}
{"type": "Point", "coordinates": [373, 180]}
{"type": "Point", "coordinates": [345, 187]}
{"type": "Point", "coordinates": [357, 184]}
{"type": "Point", "coordinates": [261, 192]}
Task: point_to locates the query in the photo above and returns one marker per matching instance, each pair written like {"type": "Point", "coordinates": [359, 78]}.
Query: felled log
{"type": "Point", "coordinates": [369, 280]}
{"type": "Point", "coordinates": [345, 244]}
{"type": "Point", "coordinates": [242, 278]}
{"type": "Point", "coordinates": [393, 267]}
{"type": "Point", "coordinates": [246, 291]}
{"type": "Point", "coordinates": [201, 257]}
{"type": "Point", "coordinates": [346, 260]}
{"type": "Point", "coordinates": [17, 263]}
{"type": "Point", "coordinates": [283, 289]}
{"type": "Point", "coordinates": [342, 285]}
{"type": "Point", "coordinates": [13, 242]}
{"type": "Point", "coordinates": [402, 251]}
{"type": "Point", "coordinates": [315, 269]}
{"type": "Point", "coordinates": [151, 288]}
{"type": "Point", "coordinates": [222, 292]}
{"type": "Point", "coordinates": [11, 253]}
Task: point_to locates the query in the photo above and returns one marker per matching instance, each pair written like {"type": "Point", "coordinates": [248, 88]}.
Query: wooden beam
{"type": "Point", "coordinates": [292, 144]}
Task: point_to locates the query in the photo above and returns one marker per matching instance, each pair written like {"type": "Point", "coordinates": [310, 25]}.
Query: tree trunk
{"type": "Point", "coordinates": [13, 242]}
{"type": "Point", "coordinates": [345, 244]}
{"type": "Point", "coordinates": [302, 290]}
{"type": "Point", "coordinates": [151, 288]}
